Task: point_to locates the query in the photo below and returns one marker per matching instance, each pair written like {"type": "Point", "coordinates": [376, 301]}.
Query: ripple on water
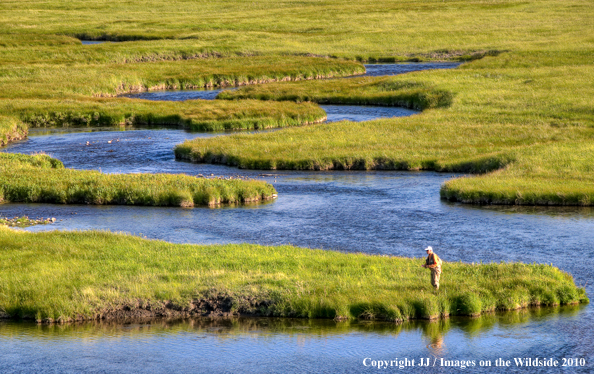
{"type": "Point", "coordinates": [377, 70]}
{"type": "Point", "coordinates": [360, 113]}
{"type": "Point", "coordinates": [177, 95]}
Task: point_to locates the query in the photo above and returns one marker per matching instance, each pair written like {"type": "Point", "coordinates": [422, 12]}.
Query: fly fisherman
{"type": "Point", "coordinates": [434, 263]}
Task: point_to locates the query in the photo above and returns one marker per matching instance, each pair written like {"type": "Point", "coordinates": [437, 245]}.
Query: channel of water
{"type": "Point", "coordinates": [394, 213]}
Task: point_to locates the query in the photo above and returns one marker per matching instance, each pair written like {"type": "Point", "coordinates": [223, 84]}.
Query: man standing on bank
{"type": "Point", "coordinates": [434, 263]}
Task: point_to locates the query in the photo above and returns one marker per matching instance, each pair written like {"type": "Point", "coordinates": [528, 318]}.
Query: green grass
{"type": "Point", "coordinates": [42, 179]}
{"type": "Point", "coordinates": [367, 29]}
{"type": "Point", "coordinates": [66, 274]}
{"type": "Point", "coordinates": [68, 80]}
{"type": "Point", "coordinates": [81, 95]}
{"type": "Point", "coordinates": [524, 118]}
{"type": "Point", "coordinates": [381, 91]}
{"type": "Point", "coordinates": [522, 102]}
{"type": "Point", "coordinates": [197, 115]}
{"type": "Point", "coordinates": [11, 129]}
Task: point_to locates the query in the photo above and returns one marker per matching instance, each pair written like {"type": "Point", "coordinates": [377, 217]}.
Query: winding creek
{"type": "Point", "coordinates": [392, 213]}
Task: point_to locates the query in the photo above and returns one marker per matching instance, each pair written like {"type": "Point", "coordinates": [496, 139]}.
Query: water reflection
{"type": "Point", "coordinates": [283, 345]}
{"type": "Point", "coordinates": [575, 212]}
{"type": "Point", "coordinates": [433, 331]}
{"type": "Point", "coordinates": [92, 42]}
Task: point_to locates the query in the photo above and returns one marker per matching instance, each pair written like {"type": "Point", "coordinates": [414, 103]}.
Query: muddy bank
{"type": "Point", "coordinates": [224, 306]}
{"type": "Point", "coordinates": [486, 198]}
{"type": "Point", "coordinates": [216, 306]}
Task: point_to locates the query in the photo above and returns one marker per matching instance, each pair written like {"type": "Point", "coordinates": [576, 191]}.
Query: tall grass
{"type": "Point", "coordinates": [501, 117]}
{"type": "Point", "coordinates": [66, 274]}
{"type": "Point", "coordinates": [526, 88]}
{"type": "Point", "coordinates": [197, 115]}
{"type": "Point", "coordinates": [41, 179]}
{"type": "Point", "coordinates": [383, 91]}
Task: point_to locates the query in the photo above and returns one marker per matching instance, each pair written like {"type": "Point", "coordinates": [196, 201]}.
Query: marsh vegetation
{"type": "Point", "coordinates": [519, 112]}
{"type": "Point", "coordinates": [69, 275]}
{"type": "Point", "coordinates": [42, 179]}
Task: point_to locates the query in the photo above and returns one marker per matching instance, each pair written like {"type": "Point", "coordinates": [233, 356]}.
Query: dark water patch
{"type": "Point", "coordinates": [359, 113]}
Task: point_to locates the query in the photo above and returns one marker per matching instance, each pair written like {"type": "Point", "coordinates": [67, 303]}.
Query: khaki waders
{"type": "Point", "coordinates": [435, 274]}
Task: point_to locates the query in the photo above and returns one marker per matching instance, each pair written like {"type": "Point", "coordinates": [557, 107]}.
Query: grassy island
{"type": "Point", "coordinates": [499, 116]}
{"type": "Point", "coordinates": [55, 95]}
{"type": "Point", "coordinates": [87, 275]}
{"type": "Point", "coordinates": [42, 179]}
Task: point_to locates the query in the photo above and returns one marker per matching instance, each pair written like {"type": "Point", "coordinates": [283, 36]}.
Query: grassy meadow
{"type": "Point", "coordinates": [518, 112]}
{"type": "Point", "coordinates": [65, 275]}
{"type": "Point", "coordinates": [196, 115]}
{"type": "Point", "coordinates": [42, 179]}
{"type": "Point", "coordinates": [523, 99]}
{"type": "Point", "coordinates": [524, 118]}
{"type": "Point", "coordinates": [58, 95]}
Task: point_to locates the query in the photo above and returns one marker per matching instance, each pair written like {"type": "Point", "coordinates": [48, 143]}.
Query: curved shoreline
{"type": "Point", "coordinates": [225, 83]}
{"type": "Point", "coordinates": [222, 307]}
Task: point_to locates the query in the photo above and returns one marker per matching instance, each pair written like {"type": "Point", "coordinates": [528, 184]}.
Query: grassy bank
{"type": "Point", "coordinates": [55, 80]}
{"type": "Point", "coordinates": [11, 129]}
{"type": "Point", "coordinates": [41, 179]}
{"type": "Point", "coordinates": [50, 95]}
{"type": "Point", "coordinates": [87, 274]}
{"type": "Point", "coordinates": [383, 91]}
{"type": "Point", "coordinates": [499, 115]}
{"type": "Point", "coordinates": [523, 99]}
{"type": "Point", "coordinates": [197, 115]}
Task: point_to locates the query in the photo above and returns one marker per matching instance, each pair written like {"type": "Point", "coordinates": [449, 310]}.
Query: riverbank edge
{"type": "Point", "coordinates": [222, 307]}
{"type": "Point", "coordinates": [42, 179]}
{"type": "Point", "coordinates": [18, 131]}
{"type": "Point", "coordinates": [477, 167]}
{"type": "Point", "coordinates": [223, 83]}
{"type": "Point", "coordinates": [493, 198]}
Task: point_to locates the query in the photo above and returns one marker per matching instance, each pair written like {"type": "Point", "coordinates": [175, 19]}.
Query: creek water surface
{"type": "Point", "coordinates": [392, 213]}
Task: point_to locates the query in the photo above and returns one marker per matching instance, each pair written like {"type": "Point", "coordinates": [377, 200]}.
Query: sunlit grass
{"type": "Point", "coordinates": [41, 179]}
{"type": "Point", "coordinates": [65, 274]}
{"type": "Point", "coordinates": [526, 89]}
{"type": "Point", "coordinates": [526, 117]}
